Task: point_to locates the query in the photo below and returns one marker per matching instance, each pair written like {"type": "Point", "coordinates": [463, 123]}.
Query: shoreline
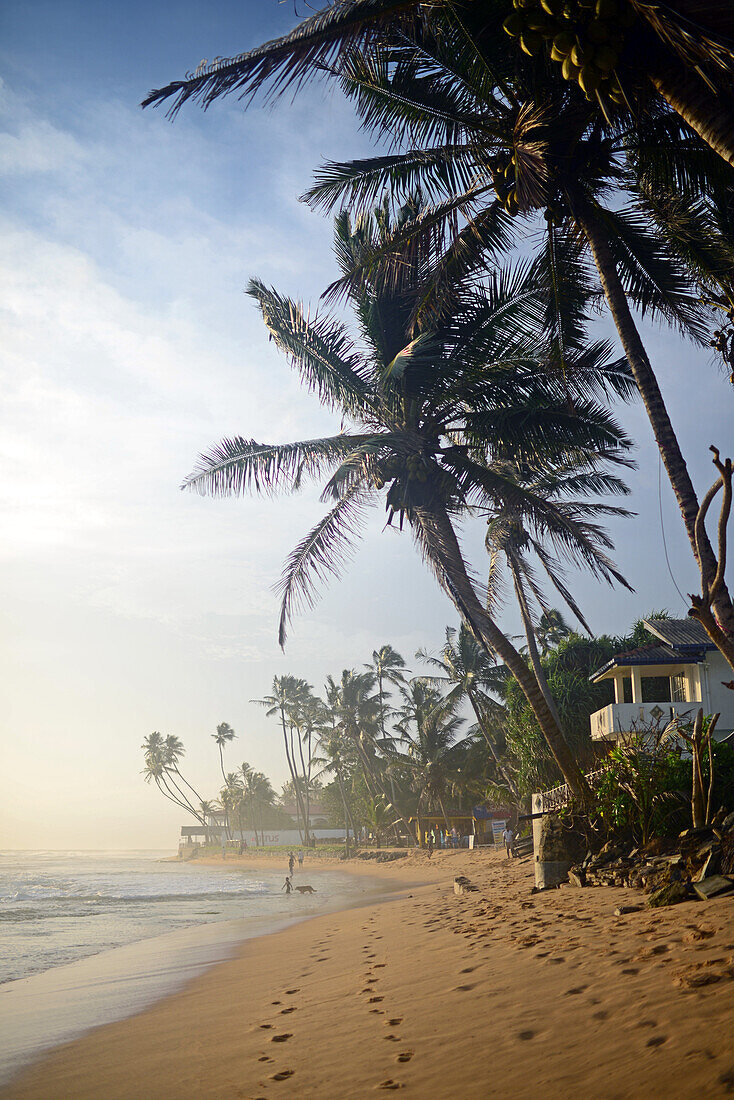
{"type": "Point", "coordinates": [50, 1008]}
{"type": "Point", "coordinates": [440, 994]}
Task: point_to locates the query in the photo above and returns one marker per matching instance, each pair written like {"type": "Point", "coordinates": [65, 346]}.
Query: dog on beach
{"type": "Point", "coordinates": [305, 889]}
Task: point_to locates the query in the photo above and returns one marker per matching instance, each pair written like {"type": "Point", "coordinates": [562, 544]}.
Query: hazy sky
{"type": "Point", "coordinates": [127, 347]}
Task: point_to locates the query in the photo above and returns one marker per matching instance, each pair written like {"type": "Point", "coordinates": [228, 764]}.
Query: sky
{"type": "Point", "coordinates": [127, 347]}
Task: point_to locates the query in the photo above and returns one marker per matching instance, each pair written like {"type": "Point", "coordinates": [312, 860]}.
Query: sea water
{"type": "Point", "coordinates": [56, 907]}
{"type": "Point", "coordinates": [90, 937]}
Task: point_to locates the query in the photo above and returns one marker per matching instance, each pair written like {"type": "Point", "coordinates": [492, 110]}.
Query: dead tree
{"type": "Point", "coordinates": [701, 606]}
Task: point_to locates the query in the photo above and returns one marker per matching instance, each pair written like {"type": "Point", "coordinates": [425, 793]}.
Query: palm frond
{"type": "Point", "coordinates": [320, 42]}
{"type": "Point", "coordinates": [321, 554]}
{"type": "Point", "coordinates": [238, 466]}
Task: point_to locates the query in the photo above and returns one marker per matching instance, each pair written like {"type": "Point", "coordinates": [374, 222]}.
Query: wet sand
{"type": "Point", "coordinates": [445, 996]}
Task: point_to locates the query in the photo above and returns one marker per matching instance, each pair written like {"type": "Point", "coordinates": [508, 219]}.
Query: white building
{"type": "Point", "coordinates": [671, 678]}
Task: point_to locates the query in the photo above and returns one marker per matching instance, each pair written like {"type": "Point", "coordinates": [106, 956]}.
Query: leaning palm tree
{"type": "Point", "coordinates": [427, 416]}
{"type": "Point", "coordinates": [161, 767]}
{"type": "Point", "coordinates": [479, 114]}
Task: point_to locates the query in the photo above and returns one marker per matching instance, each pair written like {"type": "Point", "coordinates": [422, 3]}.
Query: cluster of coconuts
{"type": "Point", "coordinates": [586, 38]}
{"type": "Point", "coordinates": [416, 468]}
{"type": "Point", "coordinates": [503, 181]}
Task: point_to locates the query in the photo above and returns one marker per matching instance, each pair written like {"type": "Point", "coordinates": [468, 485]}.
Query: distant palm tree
{"type": "Point", "coordinates": [551, 629]}
{"type": "Point", "coordinates": [287, 694]}
{"type": "Point", "coordinates": [222, 737]}
{"type": "Point", "coordinates": [428, 730]}
{"type": "Point", "coordinates": [161, 756]}
{"type": "Point", "coordinates": [466, 672]}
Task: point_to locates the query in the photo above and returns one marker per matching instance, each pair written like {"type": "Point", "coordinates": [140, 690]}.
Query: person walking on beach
{"type": "Point", "coordinates": [300, 859]}
{"type": "Point", "coordinates": [430, 842]}
{"type": "Point", "coordinates": [509, 838]}
{"type": "Point", "coordinates": [287, 886]}
{"type": "Point", "coordinates": [291, 863]}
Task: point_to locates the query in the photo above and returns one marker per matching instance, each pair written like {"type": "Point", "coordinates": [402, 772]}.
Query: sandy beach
{"type": "Point", "coordinates": [496, 990]}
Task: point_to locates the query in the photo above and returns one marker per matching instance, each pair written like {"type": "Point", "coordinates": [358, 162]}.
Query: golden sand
{"type": "Point", "coordinates": [492, 993]}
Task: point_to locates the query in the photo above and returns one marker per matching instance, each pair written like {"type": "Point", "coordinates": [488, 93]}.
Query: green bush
{"type": "Point", "coordinates": [643, 789]}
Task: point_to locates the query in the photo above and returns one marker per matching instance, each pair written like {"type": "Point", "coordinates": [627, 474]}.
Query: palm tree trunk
{"type": "Point", "coordinates": [533, 653]}
{"type": "Point", "coordinates": [652, 399]}
{"type": "Point", "coordinates": [440, 544]}
{"type": "Point", "coordinates": [694, 101]}
{"type": "Point", "coordinates": [292, 771]}
{"type": "Point", "coordinates": [482, 723]}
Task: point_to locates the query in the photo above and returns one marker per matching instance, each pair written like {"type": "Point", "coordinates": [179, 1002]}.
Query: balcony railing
{"type": "Point", "coordinates": [610, 722]}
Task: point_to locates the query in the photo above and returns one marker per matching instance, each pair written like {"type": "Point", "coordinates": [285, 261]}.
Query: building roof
{"type": "Point", "coordinates": [684, 642]}
{"type": "Point", "coordinates": [681, 634]}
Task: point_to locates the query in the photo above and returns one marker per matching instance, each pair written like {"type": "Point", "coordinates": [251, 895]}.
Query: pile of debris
{"type": "Point", "coordinates": [698, 863]}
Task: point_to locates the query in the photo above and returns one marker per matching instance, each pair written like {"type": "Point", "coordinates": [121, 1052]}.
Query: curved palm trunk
{"type": "Point", "coordinates": [481, 722]}
{"type": "Point", "coordinates": [442, 548]}
{"type": "Point", "coordinates": [306, 784]}
{"type": "Point", "coordinates": [694, 101]}
{"type": "Point", "coordinates": [657, 413]}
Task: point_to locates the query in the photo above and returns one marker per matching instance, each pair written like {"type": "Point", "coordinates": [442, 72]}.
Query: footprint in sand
{"type": "Point", "coordinates": [375, 1000]}
{"type": "Point", "coordinates": [267, 1027]}
{"type": "Point", "coordinates": [463, 988]}
{"type": "Point", "coordinates": [285, 1011]}
{"type": "Point", "coordinates": [390, 1084]}
{"type": "Point", "coordinates": [525, 1035]}
{"type": "Point", "coordinates": [630, 970]}
{"type": "Point", "coordinates": [283, 1075]}
{"type": "Point", "coordinates": [378, 966]}
{"type": "Point", "coordinates": [602, 1014]}
{"type": "Point", "coordinates": [264, 1058]}
{"type": "Point", "coordinates": [394, 1021]}
{"type": "Point", "coordinates": [391, 1038]}
{"type": "Point", "coordinates": [276, 1002]}
{"type": "Point", "coordinates": [405, 1056]}
{"type": "Point", "coordinates": [290, 992]}
{"type": "Point", "coordinates": [575, 991]}
{"type": "Point", "coordinates": [468, 970]}
{"type": "Point", "coordinates": [286, 1035]}
{"type": "Point", "coordinates": [656, 1041]}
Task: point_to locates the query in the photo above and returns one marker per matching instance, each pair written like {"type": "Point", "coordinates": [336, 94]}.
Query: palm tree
{"type": "Point", "coordinates": [428, 415]}
{"type": "Point", "coordinates": [207, 809]}
{"type": "Point", "coordinates": [287, 693]}
{"type": "Point", "coordinates": [469, 673]}
{"type": "Point", "coordinates": [480, 115]}
{"type": "Point", "coordinates": [483, 146]}
{"type": "Point", "coordinates": [428, 729]}
{"type": "Point", "coordinates": [161, 758]}
{"type": "Point", "coordinates": [551, 629]}
{"type": "Point", "coordinates": [223, 736]}
{"type": "Point", "coordinates": [680, 54]}
{"type": "Point", "coordinates": [587, 546]}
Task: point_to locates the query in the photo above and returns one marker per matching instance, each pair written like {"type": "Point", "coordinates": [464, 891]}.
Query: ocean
{"type": "Point", "coordinates": [90, 937]}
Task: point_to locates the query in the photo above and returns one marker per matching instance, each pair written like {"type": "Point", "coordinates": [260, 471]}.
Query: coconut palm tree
{"type": "Point", "coordinates": [428, 415]}
{"type": "Point", "coordinates": [551, 629]}
{"type": "Point", "coordinates": [479, 114]}
{"type": "Point", "coordinates": [224, 735]}
{"type": "Point", "coordinates": [161, 756]}
{"type": "Point", "coordinates": [428, 728]}
{"type": "Point", "coordinates": [642, 204]}
{"type": "Point", "coordinates": [287, 694]}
